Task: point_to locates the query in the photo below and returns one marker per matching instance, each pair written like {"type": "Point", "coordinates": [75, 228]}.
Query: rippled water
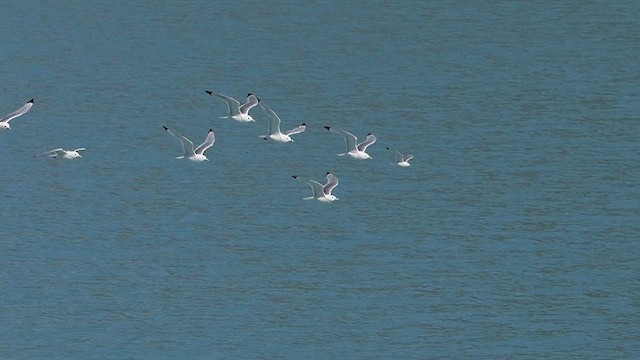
{"type": "Point", "coordinates": [513, 234]}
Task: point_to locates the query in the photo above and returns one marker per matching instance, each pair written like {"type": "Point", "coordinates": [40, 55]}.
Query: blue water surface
{"type": "Point", "coordinates": [514, 234]}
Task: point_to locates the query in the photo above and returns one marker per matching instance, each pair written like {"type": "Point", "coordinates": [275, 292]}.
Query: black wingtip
{"type": "Point", "coordinates": [210, 130]}
{"type": "Point", "coordinates": [387, 148]}
{"type": "Point", "coordinates": [166, 128]}
{"type": "Point", "coordinates": [294, 176]}
{"type": "Point", "coordinates": [328, 128]}
{"type": "Point", "coordinates": [208, 92]}
{"type": "Point", "coordinates": [30, 101]}
{"type": "Point", "coordinates": [303, 124]}
{"type": "Point", "coordinates": [249, 94]}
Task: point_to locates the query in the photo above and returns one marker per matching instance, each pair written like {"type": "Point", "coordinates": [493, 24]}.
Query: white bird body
{"type": "Point", "coordinates": [190, 153]}
{"type": "Point", "coordinates": [321, 192]}
{"type": "Point", "coordinates": [274, 128]}
{"type": "Point", "coordinates": [66, 154]}
{"type": "Point", "coordinates": [4, 122]}
{"type": "Point", "coordinates": [236, 111]}
{"type": "Point", "coordinates": [355, 150]}
{"type": "Point", "coordinates": [280, 137]}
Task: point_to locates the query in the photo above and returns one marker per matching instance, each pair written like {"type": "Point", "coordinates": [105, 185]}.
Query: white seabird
{"type": "Point", "coordinates": [274, 128]}
{"type": "Point", "coordinates": [401, 159]}
{"type": "Point", "coordinates": [355, 151]}
{"type": "Point", "coordinates": [4, 122]}
{"type": "Point", "coordinates": [321, 192]}
{"type": "Point", "coordinates": [190, 153]}
{"type": "Point", "coordinates": [236, 111]}
{"type": "Point", "coordinates": [66, 154]}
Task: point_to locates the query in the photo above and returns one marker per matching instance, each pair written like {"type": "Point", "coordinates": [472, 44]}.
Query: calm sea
{"type": "Point", "coordinates": [514, 234]}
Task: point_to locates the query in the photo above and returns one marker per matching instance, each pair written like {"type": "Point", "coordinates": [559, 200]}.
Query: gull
{"type": "Point", "coordinates": [236, 111]}
{"type": "Point", "coordinates": [355, 151]}
{"type": "Point", "coordinates": [190, 153]}
{"type": "Point", "coordinates": [321, 192]}
{"type": "Point", "coordinates": [66, 154]}
{"type": "Point", "coordinates": [401, 159]}
{"type": "Point", "coordinates": [274, 128]}
{"type": "Point", "coordinates": [4, 122]}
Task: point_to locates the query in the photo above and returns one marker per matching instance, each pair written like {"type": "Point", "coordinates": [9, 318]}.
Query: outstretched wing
{"type": "Point", "coordinates": [407, 157]}
{"type": "Point", "coordinates": [332, 182]}
{"type": "Point", "coordinates": [232, 104]}
{"type": "Point", "coordinates": [349, 138]}
{"type": "Point", "coordinates": [52, 152]}
{"type": "Point", "coordinates": [296, 130]}
{"type": "Point", "coordinates": [398, 154]}
{"type": "Point", "coordinates": [26, 107]}
{"type": "Point", "coordinates": [274, 120]}
{"type": "Point", "coordinates": [316, 187]}
{"type": "Point", "coordinates": [367, 142]}
{"type": "Point", "coordinates": [252, 101]}
{"type": "Point", "coordinates": [187, 145]}
{"type": "Point", "coordinates": [208, 142]}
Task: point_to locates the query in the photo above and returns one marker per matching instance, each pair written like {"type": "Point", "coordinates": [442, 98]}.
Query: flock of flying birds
{"type": "Point", "coordinates": [240, 113]}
